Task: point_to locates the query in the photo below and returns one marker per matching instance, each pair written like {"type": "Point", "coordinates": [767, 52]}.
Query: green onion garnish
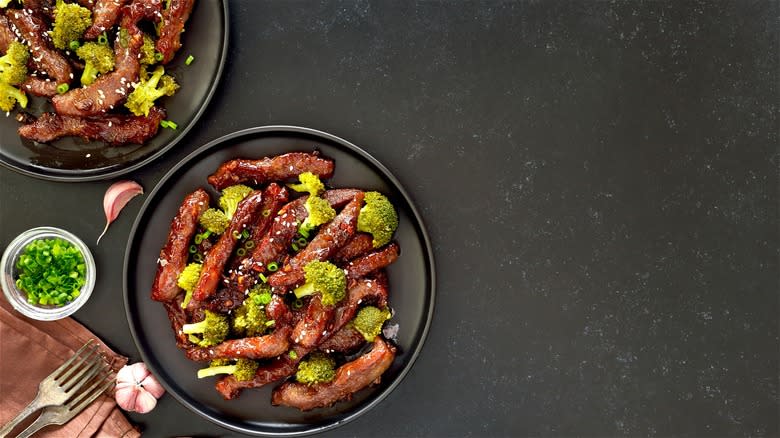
{"type": "Point", "coordinates": [266, 213]}
{"type": "Point", "coordinates": [295, 247]}
{"type": "Point", "coordinates": [249, 244]}
{"type": "Point", "coordinates": [197, 257]}
{"type": "Point", "coordinates": [241, 252]}
{"type": "Point", "coordinates": [189, 60]}
{"type": "Point", "coordinates": [193, 249]}
{"type": "Point", "coordinates": [103, 38]}
{"type": "Point", "coordinates": [74, 45]}
{"type": "Point", "coordinates": [272, 267]}
{"type": "Point", "coordinates": [236, 235]}
{"type": "Point", "coordinates": [297, 304]}
{"type": "Point", "coordinates": [51, 272]}
{"type": "Point", "coordinates": [245, 234]}
{"type": "Point", "coordinates": [302, 241]}
{"type": "Point", "coordinates": [62, 88]}
{"type": "Point", "coordinates": [293, 355]}
{"type": "Point", "coordinates": [263, 278]}
{"type": "Point", "coordinates": [198, 239]}
{"type": "Point", "coordinates": [270, 323]}
{"type": "Point", "coordinates": [168, 124]}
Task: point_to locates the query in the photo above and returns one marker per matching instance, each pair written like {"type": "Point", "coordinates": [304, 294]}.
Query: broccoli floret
{"type": "Point", "coordinates": [4, 3]}
{"type": "Point", "coordinates": [318, 367]}
{"type": "Point", "coordinates": [214, 221]}
{"type": "Point", "coordinates": [319, 210]}
{"type": "Point", "coordinates": [98, 58]}
{"type": "Point", "coordinates": [230, 198]}
{"type": "Point", "coordinates": [242, 369]}
{"type": "Point", "coordinates": [249, 319]}
{"type": "Point", "coordinates": [188, 279]}
{"type": "Point", "coordinates": [378, 217]}
{"type": "Point", "coordinates": [70, 23]}
{"type": "Point", "coordinates": [212, 330]}
{"type": "Point", "coordinates": [369, 320]}
{"type": "Point", "coordinates": [148, 51]}
{"type": "Point", "coordinates": [150, 88]}
{"type": "Point", "coordinates": [13, 65]}
{"type": "Point", "coordinates": [10, 96]}
{"type": "Point", "coordinates": [326, 279]}
{"type": "Point", "coordinates": [309, 183]}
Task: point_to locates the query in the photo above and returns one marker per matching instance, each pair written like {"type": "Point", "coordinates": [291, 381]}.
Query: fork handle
{"type": "Point", "coordinates": [39, 423]}
{"type": "Point", "coordinates": [29, 409]}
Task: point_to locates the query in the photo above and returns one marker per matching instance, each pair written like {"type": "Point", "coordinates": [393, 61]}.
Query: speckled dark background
{"type": "Point", "coordinates": [599, 179]}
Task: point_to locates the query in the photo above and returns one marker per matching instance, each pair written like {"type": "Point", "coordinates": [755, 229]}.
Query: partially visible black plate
{"type": "Point", "coordinates": [411, 282]}
{"type": "Point", "coordinates": [73, 159]}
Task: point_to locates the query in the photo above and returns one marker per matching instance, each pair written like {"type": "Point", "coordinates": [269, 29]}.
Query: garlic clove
{"type": "Point", "coordinates": [115, 199]}
{"type": "Point", "coordinates": [137, 390]}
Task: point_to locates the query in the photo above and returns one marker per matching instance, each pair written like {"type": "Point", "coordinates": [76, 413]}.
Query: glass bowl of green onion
{"type": "Point", "coordinates": [48, 273]}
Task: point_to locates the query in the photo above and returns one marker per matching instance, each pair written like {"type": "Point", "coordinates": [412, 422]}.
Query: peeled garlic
{"type": "Point", "coordinates": [137, 390]}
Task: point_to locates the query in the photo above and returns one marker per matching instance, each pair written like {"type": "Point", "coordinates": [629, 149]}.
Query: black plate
{"type": "Point", "coordinates": [73, 159]}
{"type": "Point", "coordinates": [411, 282]}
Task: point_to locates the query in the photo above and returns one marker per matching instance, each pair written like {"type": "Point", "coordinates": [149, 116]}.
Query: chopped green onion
{"type": "Point", "coordinates": [270, 323]}
{"type": "Point", "coordinates": [295, 247]}
{"type": "Point", "coordinates": [62, 88]}
{"type": "Point", "coordinates": [197, 257]}
{"type": "Point", "coordinates": [198, 239]}
{"type": "Point", "coordinates": [304, 232]}
{"type": "Point", "coordinates": [297, 304]}
{"type": "Point", "coordinates": [263, 278]}
{"type": "Point", "coordinates": [245, 234]}
{"type": "Point", "coordinates": [193, 249]}
{"type": "Point", "coordinates": [266, 213]}
{"type": "Point", "coordinates": [103, 38]}
{"type": "Point", "coordinates": [272, 267]}
{"type": "Point", "coordinates": [168, 124]}
{"type": "Point", "coordinates": [241, 252]}
{"type": "Point", "coordinates": [302, 241]}
{"type": "Point", "coordinates": [236, 235]}
{"type": "Point", "coordinates": [293, 355]}
{"type": "Point", "coordinates": [74, 45]}
{"type": "Point", "coordinates": [158, 56]}
{"type": "Point", "coordinates": [51, 272]}
{"type": "Point", "coordinates": [249, 244]}
{"type": "Point", "coordinates": [189, 60]}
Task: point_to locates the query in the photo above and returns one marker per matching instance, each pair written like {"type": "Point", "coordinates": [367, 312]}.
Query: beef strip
{"type": "Point", "coordinates": [31, 28]}
{"type": "Point", "coordinates": [247, 212]}
{"type": "Point", "coordinates": [256, 347]}
{"type": "Point", "coordinates": [372, 261]}
{"type": "Point", "coordinates": [173, 257]}
{"type": "Point", "coordinates": [278, 168]}
{"type": "Point", "coordinates": [316, 323]}
{"type": "Point", "coordinates": [172, 26]}
{"type": "Point", "coordinates": [104, 16]}
{"type": "Point", "coordinates": [358, 245]}
{"type": "Point", "coordinates": [347, 340]}
{"type": "Point", "coordinates": [350, 378]}
{"type": "Point", "coordinates": [112, 129]}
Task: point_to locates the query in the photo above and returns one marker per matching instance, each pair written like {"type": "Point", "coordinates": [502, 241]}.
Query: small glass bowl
{"type": "Point", "coordinates": [18, 298]}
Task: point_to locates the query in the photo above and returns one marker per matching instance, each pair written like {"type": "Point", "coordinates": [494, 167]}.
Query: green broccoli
{"type": "Point", "coordinates": [212, 330]}
{"type": "Point", "coordinates": [310, 183]}
{"type": "Point", "coordinates": [148, 51]}
{"type": "Point", "coordinates": [231, 196]}
{"type": "Point", "coordinates": [13, 71]}
{"type": "Point", "coordinates": [249, 319]}
{"type": "Point", "coordinates": [242, 369]}
{"type": "Point", "coordinates": [319, 210]}
{"type": "Point", "coordinates": [378, 218]}
{"type": "Point", "coordinates": [4, 3]}
{"type": "Point", "coordinates": [98, 58]}
{"type": "Point", "coordinates": [326, 279]}
{"type": "Point", "coordinates": [188, 279]}
{"type": "Point", "coordinates": [318, 367]}
{"type": "Point", "coordinates": [70, 23]}
{"type": "Point", "coordinates": [369, 320]}
{"type": "Point", "coordinates": [214, 221]}
{"type": "Point", "coordinates": [13, 65]}
{"type": "Point", "coordinates": [150, 88]}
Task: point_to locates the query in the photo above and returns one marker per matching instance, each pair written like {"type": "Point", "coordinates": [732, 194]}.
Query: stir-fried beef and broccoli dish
{"type": "Point", "coordinates": [101, 63]}
{"type": "Point", "coordinates": [281, 279]}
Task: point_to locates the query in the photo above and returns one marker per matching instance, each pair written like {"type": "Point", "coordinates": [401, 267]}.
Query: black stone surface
{"type": "Point", "coordinates": [599, 179]}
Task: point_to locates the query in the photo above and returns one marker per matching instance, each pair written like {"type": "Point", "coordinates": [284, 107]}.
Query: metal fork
{"type": "Point", "coordinates": [61, 384]}
{"type": "Point", "coordinates": [63, 413]}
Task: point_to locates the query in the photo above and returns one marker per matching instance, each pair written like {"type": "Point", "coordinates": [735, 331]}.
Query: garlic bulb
{"type": "Point", "coordinates": [137, 390]}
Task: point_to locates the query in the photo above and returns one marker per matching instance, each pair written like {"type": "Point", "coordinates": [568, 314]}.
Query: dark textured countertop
{"type": "Point", "coordinates": [599, 180]}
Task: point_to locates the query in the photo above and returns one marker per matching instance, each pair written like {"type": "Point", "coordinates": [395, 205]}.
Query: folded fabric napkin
{"type": "Point", "coordinates": [29, 351]}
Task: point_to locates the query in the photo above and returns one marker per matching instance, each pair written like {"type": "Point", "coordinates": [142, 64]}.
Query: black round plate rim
{"type": "Point", "coordinates": [99, 176]}
{"type": "Point", "coordinates": [426, 244]}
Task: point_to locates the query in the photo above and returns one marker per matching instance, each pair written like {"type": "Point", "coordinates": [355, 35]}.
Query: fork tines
{"type": "Point", "coordinates": [84, 365]}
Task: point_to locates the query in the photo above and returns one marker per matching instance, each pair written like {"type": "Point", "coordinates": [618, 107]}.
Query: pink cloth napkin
{"type": "Point", "coordinates": [29, 351]}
